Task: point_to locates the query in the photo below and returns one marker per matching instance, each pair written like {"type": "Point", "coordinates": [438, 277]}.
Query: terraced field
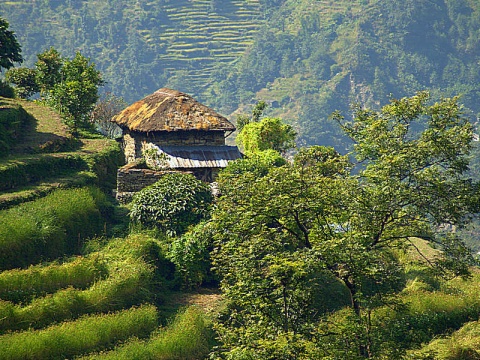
{"type": "Point", "coordinates": [200, 38]}
{"type": "Point", "coordinates": [66, 290]}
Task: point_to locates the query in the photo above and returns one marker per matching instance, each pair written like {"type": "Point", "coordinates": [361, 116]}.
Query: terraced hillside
{"type": "Point", "coordinates": [142, 45]}
{"type": "Point", "coordinates": [67, 288]}
{"type": "Point", "coordinates": [204, 38]}
{"type": "Point", "coordinates": [45, 157]}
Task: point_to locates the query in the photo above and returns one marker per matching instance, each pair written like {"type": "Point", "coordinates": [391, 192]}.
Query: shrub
{"type": "Point", "coordinates": [191, 255]}
{"type": "Point", "coordinates": [6, 90]}
{"type": "Point", "coordinates": [172, 204]}
{"type": "Point", "coordinates": [13, 118]}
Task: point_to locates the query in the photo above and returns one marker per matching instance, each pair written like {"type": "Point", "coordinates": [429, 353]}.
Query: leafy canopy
{"type": "Point", "coordinates": [282, 231]}
{"type": "Point", "coordinates": [268, 133]}
{"type": "Point", "coordinates": [10, 50]}
{"type": "Point", "coordinates": [69, 85]}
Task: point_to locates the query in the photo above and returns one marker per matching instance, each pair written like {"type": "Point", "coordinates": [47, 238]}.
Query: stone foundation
{"type": "Point", "coordinates": [131, 180]}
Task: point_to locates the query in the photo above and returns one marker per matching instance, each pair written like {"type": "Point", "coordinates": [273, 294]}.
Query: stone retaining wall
{"type": "Point", "coordinates": [131, 180]}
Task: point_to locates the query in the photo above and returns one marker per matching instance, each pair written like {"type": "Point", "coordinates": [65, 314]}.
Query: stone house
{"type": "Point", "coordinates": [170, 131]}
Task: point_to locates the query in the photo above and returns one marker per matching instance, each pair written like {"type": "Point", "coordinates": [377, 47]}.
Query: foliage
{"type": "Point", "coordinates": [68, 85]}
{"type": "Point", "coordinates": [6, 90]}
{"type": "Point", "coordinates": [13, 120]}
{"type": "Point", "coordinates": [463, 344]}
{"type": "Point", "coordinates": [306, 59]}
{"type": "Point", "coordinates": [10, 50]}
{"type": "Point", "coordinates": [48, 66]}
{"type": "Point", "coordinates": [191, 255]}
{"type": "Point", "coordinates": [172, 204]}
{"type": "Point", "coordinates": [257, 112]}
{"type": "Point", "coordinates": [268, 133]}
{"type": "Point", "coordinates": [25, 81]}
{"type": "Point", "coordinates": [278, 232]}
{"type": "Point", "coordinates": [77, 92]}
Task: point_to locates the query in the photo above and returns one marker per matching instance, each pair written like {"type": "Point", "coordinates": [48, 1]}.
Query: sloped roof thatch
{"type": "Point", "coordinates": [171, 110]}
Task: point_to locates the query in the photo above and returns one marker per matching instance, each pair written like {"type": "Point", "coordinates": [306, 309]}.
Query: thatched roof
{"type": "Point", "coordinates": [171, 110]}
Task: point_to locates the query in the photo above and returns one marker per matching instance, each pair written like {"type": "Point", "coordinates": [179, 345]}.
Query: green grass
{"type": "Point", "coordinates": [428, 314]}
{"type": "Point", "coordinates": [51, 227]}
{"type": "Point", "coordinates": [126, 277]}
{"type": "Point", "coordinates": [87, 334]}
{"type": "Point", "coordinates": [22, 285]}
{"type": "Point", "coordinates": [188, 337]}
{"type": "Point", "coordinates": [463, 344]}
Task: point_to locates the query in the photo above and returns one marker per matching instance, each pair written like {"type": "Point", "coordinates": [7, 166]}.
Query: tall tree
{"type": "Point", "coordinates": [10, 50]}
{"type": "Point", "coordinates": [77, 92]}
{"type": "Point", "coordinates": [283, 231]}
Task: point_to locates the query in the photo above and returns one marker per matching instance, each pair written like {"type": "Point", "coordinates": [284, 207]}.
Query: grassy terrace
{"type": "Point", "coordinates": [64, 291]}
{"type": "Point", "coordinates": [199, 33]}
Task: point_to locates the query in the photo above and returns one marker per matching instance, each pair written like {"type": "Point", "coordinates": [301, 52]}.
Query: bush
{"type": "Point", "coordinates": [172, 204]}
{"type": "Point", "coordinates": [191, 255]}
{"type": "Point", "coordinates": [6, 90]}
{"type": "Point", "coordinates": [13, 119]}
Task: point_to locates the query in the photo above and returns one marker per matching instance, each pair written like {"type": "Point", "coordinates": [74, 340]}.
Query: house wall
{"type": "Point", "coordinates": [131, 180]}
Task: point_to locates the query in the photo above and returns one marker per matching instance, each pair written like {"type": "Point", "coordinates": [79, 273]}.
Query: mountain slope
{"type": "Point", "coordinates": [306, 58]}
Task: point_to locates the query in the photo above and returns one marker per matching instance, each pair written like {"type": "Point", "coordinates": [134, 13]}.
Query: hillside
{"type": "Point", "coordinates": [78, 280]}
{"type": "Point", "coordinates": [143, 45]}
{"type": "Point", "coordinates": [306, 58]}
{"type": "Point", "coordinates": [68, 288]}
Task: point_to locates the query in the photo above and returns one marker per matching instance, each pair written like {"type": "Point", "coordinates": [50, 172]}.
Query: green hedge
{"type": "Point", "coordinates": [50, 227]}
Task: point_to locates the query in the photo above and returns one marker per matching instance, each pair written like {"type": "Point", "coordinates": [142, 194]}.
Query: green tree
{"type": "Point", "coordinates": [24, 80]}
{"type": "Point", "coordinates": [268, 133]}
{"type": "Point", "coordinates": [282, 231]}
{"type": "Point", "coordinates": [77, 92]}
{"type": "Point", "coordinates": [172, 204]}
{"type": "Point", "coordinates": [48, 67]}
{"type": "Point", "coordinates": [10, 50]}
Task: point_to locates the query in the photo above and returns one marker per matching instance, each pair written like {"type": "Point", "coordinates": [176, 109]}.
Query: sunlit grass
{"type": "Point", "coordinates": [130, 282]}
{"type": "Point", "coordinates": [90, 333]}
{"type": "Point", "coordinates": [188, 337]}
